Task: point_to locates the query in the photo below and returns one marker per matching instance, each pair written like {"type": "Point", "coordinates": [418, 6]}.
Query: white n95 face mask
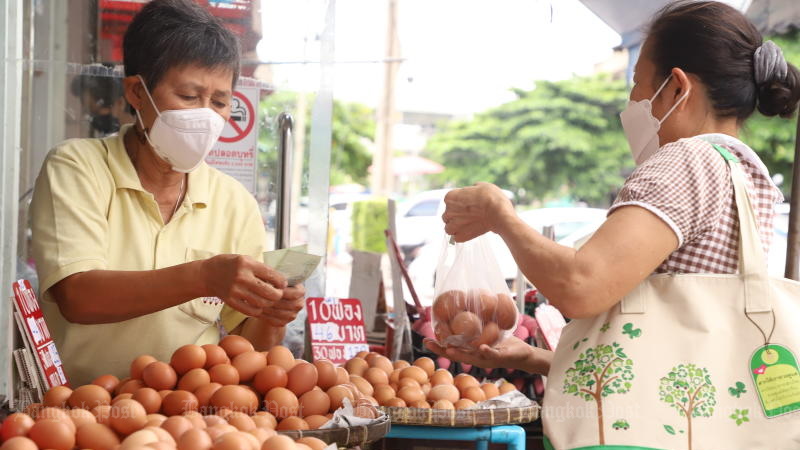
{"type": "Point", "coordinates": [641, 127]}
{"type": "Point", "coordinates": [183, 137]}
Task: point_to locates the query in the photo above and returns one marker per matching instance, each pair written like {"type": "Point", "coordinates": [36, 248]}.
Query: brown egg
{"type": "Point", "coordinates": [214, 355]}
{"type": "Point", "coordinates": [488, 305]}
{"type": "Point", "coordinates": [464, 403]}
{"type": "Point", "coordinates": [179, 402]}
{"type": "Point", "coordinates": [383, 393]}
{"type": "Point", "coordinates": [302, 378]}
{"type": "Point", "coordinates": [188, 357]}
{"type": "Point", "coordinates": [214, 419]}
{"type": "Point", "coordinates": [444, 392]}
{"type": "Point", "coordinates": [130, 386]}
{"type": "Point", "coordinates": [270, 377]}
{"type": "Point", "coordinates": [216, 431]}
{"type": "Point", "coordinates": [400, 364]}
{"type": "Point", "coordinates": [342, 375]}
{"type": "Point", "coordinates": [127, 416]}
{"type": "Point", "coordinates": [356, 366]}
{"type": "Point", "coordinates": [326, 374]}
{"type": "Point", "coordinates": [203, 394]}
{"type": "Point", "coordinates": [443, 404]}
{"type": "Point", "coordinates": [107, 382]}
{"type": "Point", "coordinates": [248, 364]}
{"type": "Point", "coordinates": [463, 381]}
{"type": "Point", "coordinates": [159, 375]}
{"type": "Point", "coordinates": [383, 363]}
{"type": "Point", "coordinates": [466, 324]}
{"type": "Point", "coordinates": [281, 403]}
{"type": "Point", "coordinates": [55, 414]}
{"type": "Point", "coordinates": [196, 418]}
{"type": "Point", "coordinates": [176, 426]}
{"type": "Point", "coordinates": [102, 414]}
{"type": "Point", "coordinates": [448, 304]}
{"type": "Point", "coordinates": [234, 440]}
{"type": "Point", "coordinates": [313, 443]}
{"type": "Point", "coordinates": [194, 439]}
{"type": "Point", "coordinates": [164, 393]}
{"type": "Point", "coordinates": [235, 345]}
{"type": "Point", "coordinates": [314, 403]}
{"type": "Point", "coordinates": [405, 382]}
{"type": "Point", "coordinates": [337, 395]}
{"type": "Point", "coordinates": [396, 403]}
{"type": "Point", "coordinates": [426, 364]}
{"type": "Point", "coordinates": [223, 412]}
{"type": "Point", "coordinates": [138, 365]}
{"type": "Point", "coordinates": [394, 377]}
{"type": "Point", "coordinates": [507, 387]}
{"type": "Point", "coordinates": [123, 396]}
{"type": "Point", "coordinates": [261, 435]}
{"type": "Point", "coordinates": [193, 379]}
{"type": "Point", "coordinates": [490, 390]}
{"type": "Point", "coordinates": [18, 424]}
{"type": "Point", "coordinates": [280, 356]}
{"type": "Point", "coordinates": [315, 421]}
{"type": "Point", "coordinates": [57, 396]}
{"type": "Point", "coordinates": [19, 443]}
{"type": "Point", "coordinates": [224, 374]}
{"type": "Point", "coordinates": [411, 394]}
{"type": "Point", "coordinates": [416, 373]}
{"type": "Point", "coordinates": [441, 376]}
{"type": "Point", "coordinates": [279, 442]}
{"type": "Point", "coordinates": [265, 419]}
{"type": "Point", "coordinates": [81, 417]}
{"type": "Point", "coordinates": [363, 386]}
{"type": "Point", "coordinates": [426, 389]}
{"type": "Point", "coordinates": [97, 437]}
{"type": "Point", "coordinates": [149, 398]}
{"type": "Point", "coordinates": [52, 434]}
{"type": "Point", "coordinates": [89, 396]}
{"type": "Point", "coordinates": [475, 394]}
{"type": "Point", "coordinates": [420, 404]}
{"type": "Point", "coordinates": [506, 316]}
{"type": "Point", "coordinates": [241, 421]}
{"type": "Point", "coordinates": [376, 376]}
{"type": "Point", "coordinates": [155, 419]}
{"type": "Point", "coordinates": [490, 334]}
{"type": "Point", "coordinates": [292, 423]}
{"type": "Point", "coordinates": [237, 398]}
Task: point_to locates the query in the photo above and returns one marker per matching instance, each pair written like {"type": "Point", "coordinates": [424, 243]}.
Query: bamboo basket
{"type": "Point", "coordinates": [464, 418]}
{"type": "Point", "coordinates": [346, 437]}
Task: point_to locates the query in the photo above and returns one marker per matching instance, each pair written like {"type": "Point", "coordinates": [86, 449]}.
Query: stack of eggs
{"type": "Point", "coordinates": [469, 319]}
{"type": "Point", "coordinates": [219, 397]}
{"type": "Point", "coordinates": [421, 385]}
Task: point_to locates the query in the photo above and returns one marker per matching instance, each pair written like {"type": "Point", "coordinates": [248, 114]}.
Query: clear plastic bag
{"type": "Point", "coordinates": [472, 304]}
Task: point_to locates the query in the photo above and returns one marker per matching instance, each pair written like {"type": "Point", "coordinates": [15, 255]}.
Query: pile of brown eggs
{"type": "Point", "coordinates": [210, 397]}
{"type": "Point", "coordinates": [421, 385]}
{"type": "Point", "coordinates": [469, 319]}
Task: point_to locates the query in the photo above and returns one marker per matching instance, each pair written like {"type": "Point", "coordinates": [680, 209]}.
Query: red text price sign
{"type": "Point", "coordinates": [337, 328]}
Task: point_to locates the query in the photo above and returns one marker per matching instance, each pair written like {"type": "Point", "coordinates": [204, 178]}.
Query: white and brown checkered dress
{"type": "Point", "coordinates": [687, 184]}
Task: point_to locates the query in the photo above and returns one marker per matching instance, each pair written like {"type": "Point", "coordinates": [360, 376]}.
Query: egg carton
{"type": "Point", "coordinates": [29, 390]}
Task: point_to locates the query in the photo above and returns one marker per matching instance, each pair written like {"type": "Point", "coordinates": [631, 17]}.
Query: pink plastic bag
{"type": "Point", "coordinates": [473, 305]}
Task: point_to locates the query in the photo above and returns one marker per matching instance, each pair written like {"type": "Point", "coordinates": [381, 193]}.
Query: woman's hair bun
{"type": "Point", "coordinates": [780, 97]}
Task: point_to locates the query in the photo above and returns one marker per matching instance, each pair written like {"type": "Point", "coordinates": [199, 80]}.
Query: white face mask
{"type": "Point", "coordinates": [183, 137]}
{"type": "Point", "coordinates": [641, 127]}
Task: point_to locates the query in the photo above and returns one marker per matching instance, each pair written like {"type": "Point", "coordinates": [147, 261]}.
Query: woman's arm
{"type": "Point", "coordinates": [106, 296]}
{"type": "Point", "coordinates": [580, 283]}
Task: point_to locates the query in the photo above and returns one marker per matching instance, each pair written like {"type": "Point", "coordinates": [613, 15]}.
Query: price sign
{"type": "Point", "coordinates": [37, 337]}
{"type": "Point", "coordinates": [337, 328]}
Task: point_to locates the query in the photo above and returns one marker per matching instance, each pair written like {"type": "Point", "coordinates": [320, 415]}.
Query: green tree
{"type": "Point", "coordinates": [560, 134]}
{"type": "Point", "coordinates": [688, 389]}
{"type": "Point", "coordinates": [353, 129]}
{"type": "Point", "coordinates": [600, 372]}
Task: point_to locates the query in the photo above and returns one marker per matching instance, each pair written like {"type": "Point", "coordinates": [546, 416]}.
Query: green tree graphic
{"type": "Point", "coordinates": [689, 390]}
{"type": "Point", "coordinates": [600, 372]}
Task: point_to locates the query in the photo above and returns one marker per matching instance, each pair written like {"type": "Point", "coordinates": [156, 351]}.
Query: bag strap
{"type": "Point", "coordinates": [752, 260]}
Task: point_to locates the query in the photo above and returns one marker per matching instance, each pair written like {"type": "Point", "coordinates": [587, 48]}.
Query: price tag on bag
{"type": "Point", "coordinates": [337, 329]}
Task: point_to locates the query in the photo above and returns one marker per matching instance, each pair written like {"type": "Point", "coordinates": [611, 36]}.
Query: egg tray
{"type": "Point", "coordinates": [464, 418]}
{"type": "Point", "coordinates": [346, 437]}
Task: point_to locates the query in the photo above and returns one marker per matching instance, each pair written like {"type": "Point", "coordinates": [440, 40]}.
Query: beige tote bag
{"type": "Point", "coordinates": [690, 361]}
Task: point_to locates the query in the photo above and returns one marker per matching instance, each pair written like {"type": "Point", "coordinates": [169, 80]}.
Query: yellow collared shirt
{"type": "Point", "coordinates": [90, 212]}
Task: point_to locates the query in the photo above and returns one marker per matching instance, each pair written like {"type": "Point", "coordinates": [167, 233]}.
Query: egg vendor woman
{"type": "Point", "coordinates": [140, 246]}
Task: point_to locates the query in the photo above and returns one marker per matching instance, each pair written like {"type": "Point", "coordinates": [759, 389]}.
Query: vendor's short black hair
{"type": "Point", "coordinates": [173, 33]}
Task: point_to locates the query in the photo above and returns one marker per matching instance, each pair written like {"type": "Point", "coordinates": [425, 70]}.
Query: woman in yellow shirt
{"type": "Point", "coordinates": [140, 246]}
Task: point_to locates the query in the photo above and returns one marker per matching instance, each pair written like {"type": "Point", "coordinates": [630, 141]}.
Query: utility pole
{"type": "Point", "coordinates": [382, 177]}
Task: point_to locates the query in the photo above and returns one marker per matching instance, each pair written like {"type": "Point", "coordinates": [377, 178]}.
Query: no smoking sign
{"type": "Point", "coordinates": [242, 120]}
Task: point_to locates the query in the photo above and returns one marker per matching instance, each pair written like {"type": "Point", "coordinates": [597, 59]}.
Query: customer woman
{"type": "Point", "coordinates": [140, 246]}
{"type": "Point", "coordinates": [703, 70]}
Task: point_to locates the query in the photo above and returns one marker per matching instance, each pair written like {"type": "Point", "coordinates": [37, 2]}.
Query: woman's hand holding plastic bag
{"type": "Point", "coordinates": [472, 211]}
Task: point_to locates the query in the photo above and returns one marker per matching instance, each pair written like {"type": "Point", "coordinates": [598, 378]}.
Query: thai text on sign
{"type": "Point", "coordinates": [337, 329]}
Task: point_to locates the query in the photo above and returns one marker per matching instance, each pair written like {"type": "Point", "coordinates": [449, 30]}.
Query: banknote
{"type": "Point", "coordinates": [293, 263]}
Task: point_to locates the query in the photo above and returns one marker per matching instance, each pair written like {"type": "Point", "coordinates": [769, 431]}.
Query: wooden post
{"type": "Point", "coordinates": [793, 239]}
